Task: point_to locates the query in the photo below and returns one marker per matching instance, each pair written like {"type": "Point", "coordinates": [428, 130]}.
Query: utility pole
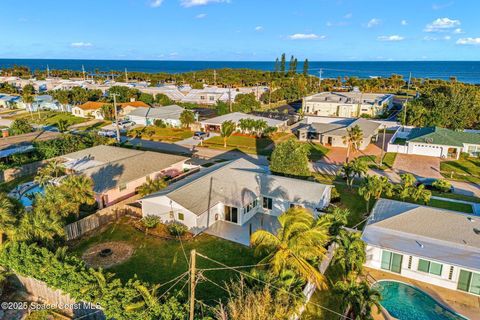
{"type": "Point", "coordinates": [116, 115]}
{"type": "Point", "coordinates": [83, 71]}
{"type": "Point", "coordinates": [193, 255]}
{"type": "Point", "coordinates": [215, 77]}
{"type": "Point", "coordinates": [383, 144]}
{"type": "Point", "coordinates": [126, 76]}
{"type": "Point", "coordinates": [230, 99]}
{"type": "Point", "coordinates": [48, 72]}
{"type": "Point", "coordinates": [406, 101]}
{"type": "Point", "coordinates": [320, 78]}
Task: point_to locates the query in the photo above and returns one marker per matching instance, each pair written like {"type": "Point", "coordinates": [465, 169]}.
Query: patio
{"type": "Point", "coordinates": [241, 233]}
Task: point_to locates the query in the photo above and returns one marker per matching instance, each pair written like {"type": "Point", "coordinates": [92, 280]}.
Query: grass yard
{"type": "Point", "coordinates": [387, 163]}
{"type": "Point", "coordinates": [456, 196]}
{"type": "Point", "coordinates": [49, 117]}
{"type": "Point", "coordinates": [326, 298]}
{"type": "Point", "coordinates": [317, 151]}
{"type": "Point", "coordinates": [455, 206]}
{"type": "Point", "coordinates": [467, 170]}
{"type": "Point", "coordinates": [244, 143]}
{"type": "Point", "coordinates": [161, 134]}
{"type": "Point", "coordinates": [351, 200]}
{"type": "Point", "coordinates": [156, 260]}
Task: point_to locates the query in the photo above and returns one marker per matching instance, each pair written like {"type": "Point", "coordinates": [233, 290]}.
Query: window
{"type": "Point", "coordinates": [181, 216]}
{"type": "Point", "coordinates": [469, 282]}
{"type": "Point", "coordinates": [391, 261]}
{"type": "Point", "coordinates": [430, 267]}
{"type": "Point", "coordinates": [231, 214]}
{"type": "Point", "coordinates": [211, 98]}
{"type": "Point", "coordinates": [122, 187]}
{"type": "Point", "coordinates": [267, 203]}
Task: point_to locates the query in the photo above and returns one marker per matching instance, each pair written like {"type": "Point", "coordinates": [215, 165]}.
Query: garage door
{"type": "Point", "coordinates": [426, 150]}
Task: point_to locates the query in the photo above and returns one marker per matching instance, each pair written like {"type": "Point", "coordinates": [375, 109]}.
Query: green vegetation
{"type": "Point", "coordinates": [49, 118]}
{"type": "Point", "coordinates": [244, 143]}
{"type": "Point", "coordinates": [389, 159]}
{"type": "Point", "coordinates": [448, 105]}
{"type": "Point", "coordinates": [10, 185]}
{"type": "Point", "coordinates": [165, 259]}
{"type": "Point", "coordinates": [317, 151]}
{"type": "Point", "coordinates": [466, 169]}
{"type": "Point", "coordinates": [449, 205]}
{"type": "Point", "coordinates": [160, 134]}
{"type": "Point", "coordinates": [20, 126]}
{"type": "Point", "coordinates": [290, 158]}
{"type": "Point", "coordinates": [456, 196]}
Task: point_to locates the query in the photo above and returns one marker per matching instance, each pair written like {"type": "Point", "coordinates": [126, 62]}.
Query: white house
{"type": "Point", "coordinates": [434, 142]}
{"type": "Point", "coordinates": [214, 124]}
{"type": "Point", "coordinates": [93, 109]}
{"type": "Point", "coordinates": [436, 246]}
{"type": "Point", "coordinates": [147, 116]}
{"type": "Point", "coordinates": [332, 133]}
{"type": "Point", "coordinates": [347, 104]}
{"type": "Point", "coordinates": [234, 192]}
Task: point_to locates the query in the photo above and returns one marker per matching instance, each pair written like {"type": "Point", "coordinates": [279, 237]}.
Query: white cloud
{"type": "Point", "coordinates": [348, 15]}
{"type": "Point", "coordinates": [469, 41]}
{"type": "Point", "coordinates": [304, 36]}
{"type": "Point", "coordinates": [394, 37]}
{"type": "Point", "coordinates": [403, 22]}
{"type": "Point", "coordinates": [258, 28]}
{"type": "Point", "coordinates": [430, 38]}
{"type": "Point", "coordinates": [156, 3]}
{"type": "Point", "coordinates": [194, 3]}
{"type": "Point", "coordinates": [439, 6]}
{"type": "Point", "coordinates": [458, 31]}
{"type": "Point", "coordinates": [201, 15]}
{"type": "Point", "coordinates": [80, 44]}
{"type": "Point", "coordinates": [447, 38]}
{"type": "Point", "coordinates": [373, 22]}
{"type": "Point", "coordinates": [441, 24]}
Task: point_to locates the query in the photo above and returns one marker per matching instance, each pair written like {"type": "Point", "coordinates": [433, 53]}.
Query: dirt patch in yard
{"type": "Point", "coordinates": [108, 254]}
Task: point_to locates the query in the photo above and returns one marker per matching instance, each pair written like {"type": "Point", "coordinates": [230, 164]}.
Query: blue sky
{"type": "Point", "coordinates": [241, 29]}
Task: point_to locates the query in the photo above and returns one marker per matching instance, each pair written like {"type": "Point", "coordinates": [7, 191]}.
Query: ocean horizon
{"type": "Point", "coordinates": [465, 71]}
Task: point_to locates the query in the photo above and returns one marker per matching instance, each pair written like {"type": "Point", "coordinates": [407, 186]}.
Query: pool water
{"type": "Point", "coordinates": [406, 302]}
{"type": "Point", "coordinates": [25, 200]}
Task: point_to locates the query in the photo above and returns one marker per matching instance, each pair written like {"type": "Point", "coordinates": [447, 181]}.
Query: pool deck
{"type": "Point", "coordinates": [467, 305]}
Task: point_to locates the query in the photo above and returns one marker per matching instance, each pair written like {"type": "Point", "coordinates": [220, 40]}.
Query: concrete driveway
{"type": "Point", "coordinates": [419, 166]}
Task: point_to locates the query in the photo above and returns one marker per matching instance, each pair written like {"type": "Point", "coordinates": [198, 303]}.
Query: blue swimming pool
{"type": "Point", "coordinates": [25, 198]}
{"type": "Point", "coordinates": [406, 302]}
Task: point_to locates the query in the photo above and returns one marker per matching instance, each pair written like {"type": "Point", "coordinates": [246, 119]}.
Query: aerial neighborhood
{"type": "Point", "coordinates": [335, 199]}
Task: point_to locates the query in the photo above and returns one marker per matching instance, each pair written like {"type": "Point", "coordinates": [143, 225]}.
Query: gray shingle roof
{"type": "Point", "coordinates": [236, 116]}
{"type": "Point", "coordinates": [433, 233]}
{"type": "Point", "coordinates": [237, 183]}
{"type": "Point", "coordinates": [112, 166]}
{"type": "Point", "coordinates": [168, 112]}
{"type": "Point", "coordinates": [339, 128]}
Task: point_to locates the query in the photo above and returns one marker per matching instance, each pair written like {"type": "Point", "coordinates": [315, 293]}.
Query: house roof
{"type": "Point", "coordinates": [94, 105]}
{"type": "Point", "coordinates": [236, 116]}
{"type": "Point", "coordinates": [339, 127]}
{"type": "Point", "coordinates": [167, 112]}
{"type": "Point", "coordinates": [110, 166]}
{"type": "Point", "coordinates": [438, 234]}
{"type": "Point", "coordinates": [348, 97]}
{"type": "Point", "coordinates": [443, 136]}
{"type": "Point", "coordinates": [238, 183]}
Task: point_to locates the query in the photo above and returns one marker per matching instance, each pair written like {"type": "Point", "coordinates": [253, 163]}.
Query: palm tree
{"type": "Point", "coordinates": [337, 218]}
{"type": "Point", "coordinates": [8, 218]}
{"type": "Point", "coordinates": [28, 100]}
{"type": "Point", "coordinates": [353, 139]}
{"type": "Point", "coordinates": [187, 118]}
{"type": "Point", "coordinates": [80, 189]}
{"type": "Point", "coordinates": [352, 169]}
{"type": "Point", "coordinates": [298, 244]}
{"type": "Point", "coordinates": [359, 298]}
{"type": "Point", "coordinates": [226, 130]}
{"type": "Point", "coordinates": [53, 169]}
{"type": "Point", "coordinates": [151, 186]}
{"type": "Point", "coordinates": [374, 186]}
{"type": "Point", "coordinates": [40, 225]}
{"type": "Point", "coordinates": [350, 253]}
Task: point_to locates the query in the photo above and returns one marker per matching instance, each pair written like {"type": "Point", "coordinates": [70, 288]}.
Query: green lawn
{"type": "Point", "coordinates": [244, 143]}
{"type": "Point", "coordinates": [350, 199]}
{"type": "Point", "coordinates": [156, 260]}
{"type": "Point", "coordinates": [387, 163]}
{"type": "Point", "coordinates": [326, 298]}
{"type": "Point", "coordinates": [49, 117]}
{"type": "Point", "coordinates": [161, 134]}
{"type": "Point", "coordinates": [317, 151]}
{"type": "Point", "coordinates": [463, 170]}
{"type": "Point", "coordinates": [455, 206]}
{"type": "Point", "coordinates": [389, 159]}
{"type": "Point", "coordinates": [456, 196]}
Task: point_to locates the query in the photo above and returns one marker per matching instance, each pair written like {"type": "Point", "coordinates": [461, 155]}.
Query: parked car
{"type": "Point", "coordinates": [198, 135]}
{"type": "Point", "coordinates": [107, 133]}
{"type": "Point", "coordinates": [124, 124]}
{"type": "Point", "coordinates": [428, 183]}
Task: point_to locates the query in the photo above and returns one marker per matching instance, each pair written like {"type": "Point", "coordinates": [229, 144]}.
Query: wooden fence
{"type": "Point", "coordinates": [100, 218]}
{"type": "Point", "coordinates": [43, 294]}
{"type": "Point", "coordinates": [25, 170]}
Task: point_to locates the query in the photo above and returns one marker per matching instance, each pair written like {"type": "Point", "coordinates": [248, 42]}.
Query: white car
{"type": "Point", "coordinates": [107, 133]}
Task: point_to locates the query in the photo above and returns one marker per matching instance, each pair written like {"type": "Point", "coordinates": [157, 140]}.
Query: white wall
{"type": "Point", "coordinates": [163, 207]}
{"type": "Point", "coordinates": [374, 258]}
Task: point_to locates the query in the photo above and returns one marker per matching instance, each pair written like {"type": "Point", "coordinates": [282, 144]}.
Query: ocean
{"type": "Point", "coordinates": [465, 71]}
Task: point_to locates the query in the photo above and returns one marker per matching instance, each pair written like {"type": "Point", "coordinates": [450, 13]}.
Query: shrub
{"type": "Point", "coordinates": [150, 221]}
{"type": "Point", "coordinates": [335, 195]}
{"type": "Point", "coordinates": [442, 185]}
{"type": "Point", "coordinates": [160, 123]}
{"type": "Point", "coordinates": [177, 229]}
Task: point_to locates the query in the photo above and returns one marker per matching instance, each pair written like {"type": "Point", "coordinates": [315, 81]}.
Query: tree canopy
{"type": "Point", "coordinates": [290, 158]}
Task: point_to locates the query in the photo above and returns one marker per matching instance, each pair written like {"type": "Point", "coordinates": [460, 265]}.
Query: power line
{"type": "Point", "coordinates": [235, 267]}
{"type": "Point", "coordinates": [271, 285]}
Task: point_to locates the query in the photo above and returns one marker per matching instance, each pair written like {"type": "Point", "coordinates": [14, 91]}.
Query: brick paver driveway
{"type": "Point", "coordinates": [420, 166]}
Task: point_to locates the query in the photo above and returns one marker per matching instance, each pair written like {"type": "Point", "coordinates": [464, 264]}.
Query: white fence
{"type": "Point", "coordinates": [401, 133]}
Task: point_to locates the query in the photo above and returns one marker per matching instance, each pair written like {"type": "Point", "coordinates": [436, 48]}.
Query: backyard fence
{"type": "Point", "coordinates": [100, 218]}
{"type": "Point", "coordinates": [25, 170]}
{"type": "Point", "coordinates": [43, 294]}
